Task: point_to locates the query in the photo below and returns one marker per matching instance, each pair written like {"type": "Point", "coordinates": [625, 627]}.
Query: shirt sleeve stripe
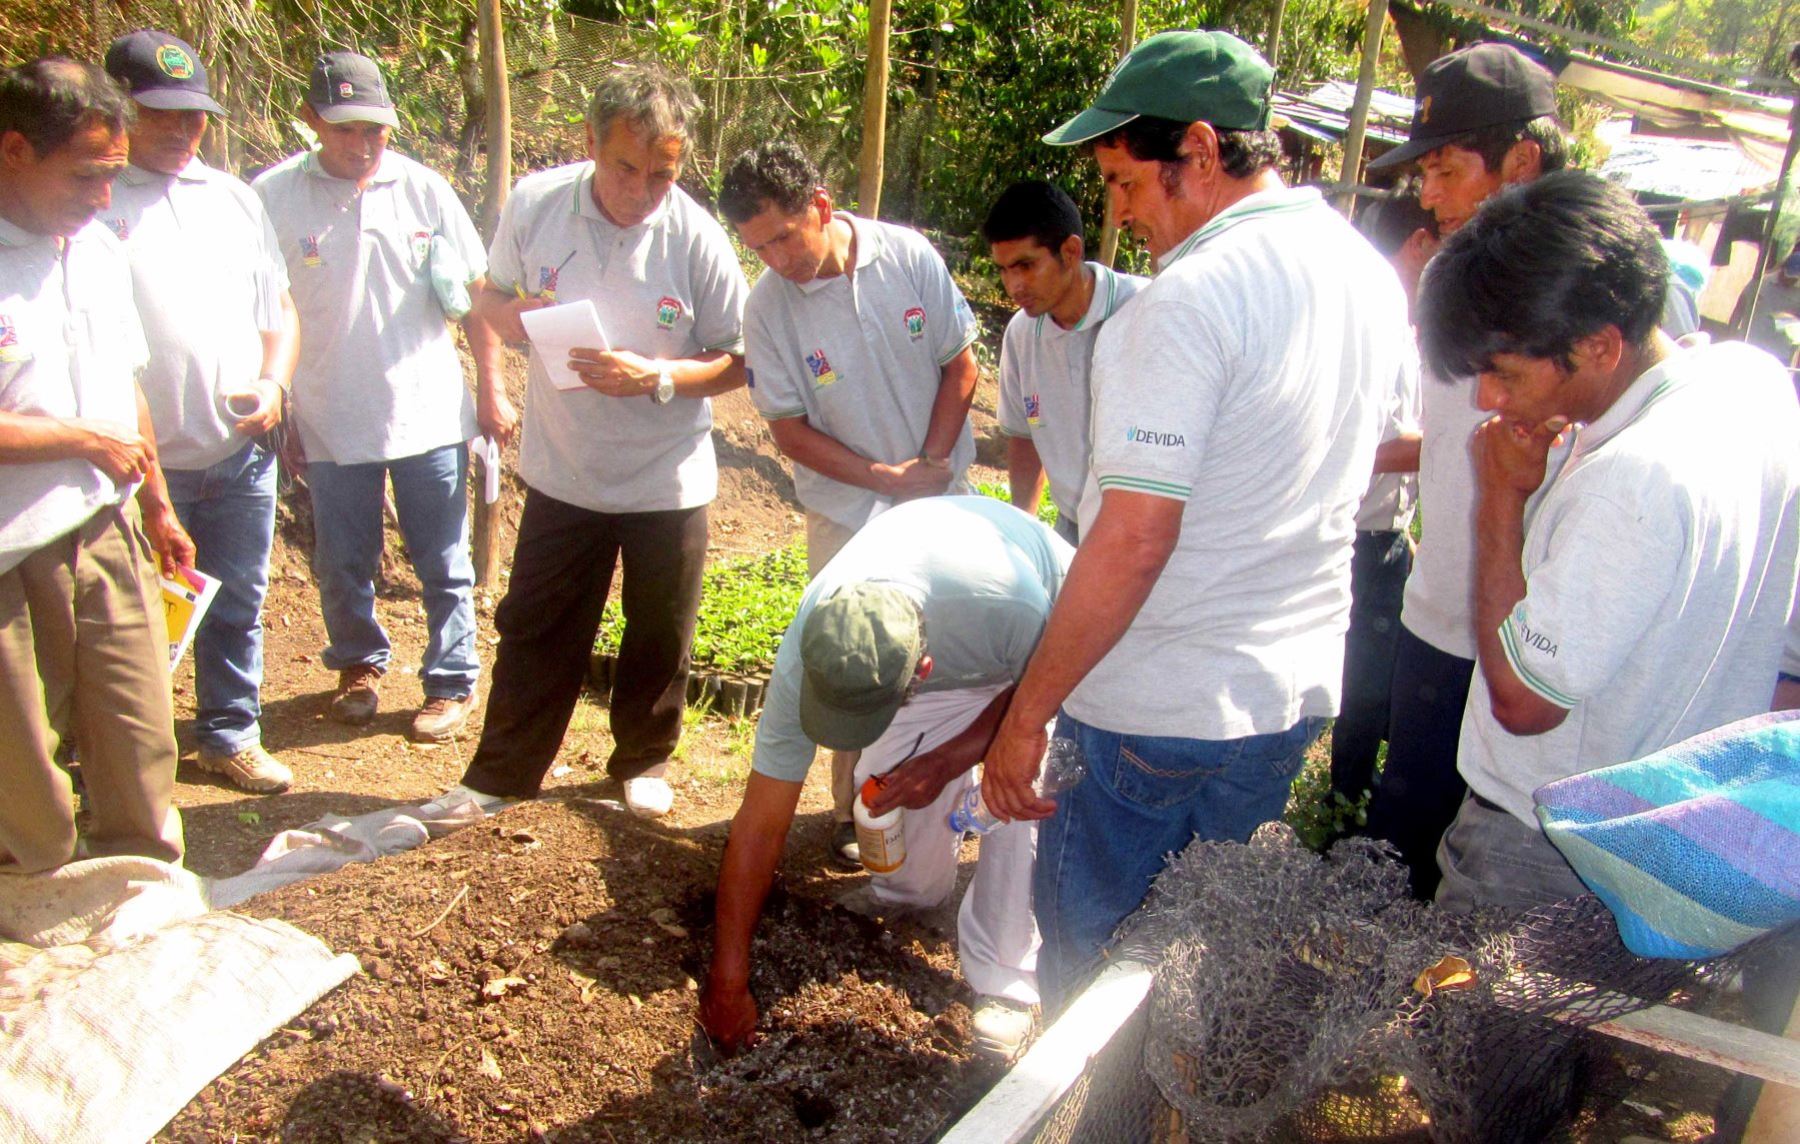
{"type": "Point", "coordinates": [974, 332]}
{"type": "Point", "coordinates": [1509, 643]}
{"type": "Point", "coordinates": [783, 414]}
{"type": "Point", "coordinates": [1169, 489]}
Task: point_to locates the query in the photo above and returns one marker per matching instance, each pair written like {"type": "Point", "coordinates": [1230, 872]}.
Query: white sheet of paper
{"type": "Point", "coordinates": [555, 330]}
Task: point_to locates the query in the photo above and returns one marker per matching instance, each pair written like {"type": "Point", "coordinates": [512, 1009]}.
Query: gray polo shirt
{"type": "Point", "coordinates": [1044, 384]}
{"type": "Point", "coordinates": [208, 276]}
{"type": "Point", "coordinates": [860, 356]}
{"type": "Point", "coordinates": [669, 288]}
{"type": "Point", "coordinates": [379, 378]}
{"type": "Point", "coordinates": [985, 576]}
{"type": "Point", "coordinates": [70, 346]}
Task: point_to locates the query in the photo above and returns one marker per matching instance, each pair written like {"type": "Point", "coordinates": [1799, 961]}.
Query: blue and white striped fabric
{"type": "Point", "coordinates": [1696, 848]}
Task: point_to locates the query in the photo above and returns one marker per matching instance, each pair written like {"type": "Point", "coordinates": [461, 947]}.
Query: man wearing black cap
{"type": "Point", "coordinates": [211, 288]}
{"type": "Point", "coordinates": [1238, 401]}
{"type": "Point", "coordinates": [905, 648]}
{"type": "Point", "coordinates": [1484, 118]}
{"type": "Point", "coordinates": [379, 251]}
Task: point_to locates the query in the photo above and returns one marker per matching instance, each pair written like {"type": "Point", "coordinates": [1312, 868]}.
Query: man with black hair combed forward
{"type": "Point", "coordinates": [1034, 234]}
{"type": "Point", "coordinates": [1647, 598]}
{"type": "Point", "coordinates": [84, 655]}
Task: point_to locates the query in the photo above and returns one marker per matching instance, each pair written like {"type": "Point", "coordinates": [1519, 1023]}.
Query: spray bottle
{"type": "Point", "coordinates": [880, 838]}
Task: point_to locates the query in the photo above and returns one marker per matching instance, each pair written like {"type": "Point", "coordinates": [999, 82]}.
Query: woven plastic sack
{"type": "Point", "coordinates": [1696, 848]}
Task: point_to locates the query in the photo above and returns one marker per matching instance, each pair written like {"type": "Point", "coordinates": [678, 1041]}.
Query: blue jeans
{"type": "Point", "coordinates": [1144, 798]}
{"type": "Point", "coordinates": [229, 510]}
{"type": "Point", "coordinates": [431, 497]}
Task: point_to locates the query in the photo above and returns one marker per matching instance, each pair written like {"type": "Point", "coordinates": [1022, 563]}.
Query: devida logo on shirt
{"type": "Point", "coordinates": [1532, 637]}
{"type": "Point", "coordinates": [1155, 437]}
{"type": "Point", "coordinates": [309, 250]}
{"type": "Point", "coordinates": [820, 367]}
{"type": "Point", "coordinates": [1034, 410]}
{"type": "Point", "coordinates": [915, 323]}
{"type": "Point", "coordinates": [668, 310]}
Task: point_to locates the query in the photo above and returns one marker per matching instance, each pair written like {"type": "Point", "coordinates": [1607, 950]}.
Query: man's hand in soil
{"type": "Point", "coordinates": [728, 1014]}
{"type": "Point", "coordinates": [752, 853]}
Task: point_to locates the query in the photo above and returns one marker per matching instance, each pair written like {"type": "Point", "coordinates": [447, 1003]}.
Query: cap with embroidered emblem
{"type": "Point", "coordinates": [1483, 85]}
{"type": "Point", "coordinates": [348, 88]}
{"type": "Point", "coordinates": [1186, 76]}
{"type": "Point", "coordinates": [160, 71]}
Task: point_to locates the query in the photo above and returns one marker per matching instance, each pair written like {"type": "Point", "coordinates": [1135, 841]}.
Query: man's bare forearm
{"type": "Point", "coordinates": [1025, 475]}
{"type": "Point", "coordinates": [753, 853]}
{"type": "Point", "coordinates": [950, 409]}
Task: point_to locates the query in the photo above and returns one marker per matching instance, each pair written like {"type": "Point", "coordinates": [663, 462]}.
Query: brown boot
{"type": "Point", "coordinates": [357, 696]}
{"type": "Point", "coordinates": [441, 718]}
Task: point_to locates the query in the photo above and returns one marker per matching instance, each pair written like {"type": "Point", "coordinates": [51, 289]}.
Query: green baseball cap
{"type": "Point", "coordinates": [1212, 77]}
{"type": "Point", "coordinates": [859, 649]}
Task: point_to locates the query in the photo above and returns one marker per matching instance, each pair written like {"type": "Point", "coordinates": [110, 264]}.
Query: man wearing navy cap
{"type": "Point", "coordinates": [220, 360]}
{"type": "Point", "coordinates": [371, 240]}
{"type": "Point", "coordinates": [1237, 403]}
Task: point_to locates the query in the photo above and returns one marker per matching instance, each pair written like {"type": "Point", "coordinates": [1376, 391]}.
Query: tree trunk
{"type": "Point", "coordinates": [875, 87]}
{"type": "Point", "coordinates": [1421, 40]}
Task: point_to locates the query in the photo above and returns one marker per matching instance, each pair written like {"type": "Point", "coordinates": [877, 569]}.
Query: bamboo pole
{"type": "Point", "coordinates": [1109, 230]}
{"type": "Point", "coordinates": [486, 540]}
{"type": "Point", "coordinates": [1359, 108]}
{"type": "Point", "coordinates": [1272, 46]}
{"type": "Point", "coordinates": [875, 87]}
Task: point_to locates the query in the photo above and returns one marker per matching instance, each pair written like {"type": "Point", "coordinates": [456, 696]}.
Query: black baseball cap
{"type": "Point", "coordinates": [160, 71]}
{"type": "Point", "coordinates": [1483, 85]}
{"type": "Point", "coordinates": [348, 88]}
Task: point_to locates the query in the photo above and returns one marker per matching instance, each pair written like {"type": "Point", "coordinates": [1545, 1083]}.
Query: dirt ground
{"type": "Point", "coordinates": [535, 977]}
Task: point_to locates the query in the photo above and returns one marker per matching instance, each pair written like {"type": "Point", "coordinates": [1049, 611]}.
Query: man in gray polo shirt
{"type": "Point", "coordinates": [860, 358]}
{"type": "Point", "coordinates": [211, 287]}
{"type": "Point", "coordinates": [618, 474]}
{"type": "Point", "coordinates": [379, 392]}
{"type": "Point", "coordinates": [84, 655]}
{"type": "Point", "coordinates": [1034, 232]}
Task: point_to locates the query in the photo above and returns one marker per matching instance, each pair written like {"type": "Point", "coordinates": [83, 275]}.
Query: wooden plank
{"type": "Point", "coordinates": [1710, 1041]}
{"type": "Point", "coordinates": [1015, 1107]}
{"type": "Point", "coordinates": [875, 90]}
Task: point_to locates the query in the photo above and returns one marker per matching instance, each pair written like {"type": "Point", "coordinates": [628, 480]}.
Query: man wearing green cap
{"type": "Point", "coordinates": [905, 648]}
{"type": "Point", "coordinates": [1237, 405]}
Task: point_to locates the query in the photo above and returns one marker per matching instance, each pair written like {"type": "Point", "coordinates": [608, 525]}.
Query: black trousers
{"type": "Point", "coordinates": [562, 571]}
{"type": "Point", "coordinates": [1420, 789]}
{"type": "Point", "coordinates": [1378, 570]}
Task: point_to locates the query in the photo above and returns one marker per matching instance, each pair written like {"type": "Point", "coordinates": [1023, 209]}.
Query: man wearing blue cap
{"type": "Point", "coordinates": [379, 250]}
{"type": "Point", "coordinates": [1198, 645]}
{"type": "Point", "coordinates": [220, 360]}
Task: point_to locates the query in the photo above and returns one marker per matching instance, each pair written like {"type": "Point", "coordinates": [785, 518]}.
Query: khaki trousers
{"type": "Point", "coordinates": [84, 658]}
{"type": "Point", "coordinates": [824, 539]}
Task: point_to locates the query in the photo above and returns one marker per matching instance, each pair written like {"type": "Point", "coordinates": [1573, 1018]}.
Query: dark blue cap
{"type": "Point", "coordinates": [348, 88]}
{"type": "Point", "coordinates": [160, 71]}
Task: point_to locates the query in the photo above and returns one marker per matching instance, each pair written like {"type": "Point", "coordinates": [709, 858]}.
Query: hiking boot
{"type": "Point", "coordinates": [648, 796]}
{"type": "Point", "coordinates": [252, 769]}
{"type": "Point", "coordinates": [356, 698]}
{"type": "Point", "coordinates": [441, 718]}
{"type": "Point", "coordinates": [844, 851]}
{"type": "Point", "coordinates": [1000, 1025]}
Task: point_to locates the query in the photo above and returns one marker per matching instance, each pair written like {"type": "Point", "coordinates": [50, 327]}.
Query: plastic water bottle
{"type": "Point", "coordinates": [1064, 766]}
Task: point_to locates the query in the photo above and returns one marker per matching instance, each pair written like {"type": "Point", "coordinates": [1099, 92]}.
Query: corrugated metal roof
{"type": "Point", "coordinates": [1324, 112]}
{"type": "Point", "coordinates": [1683, 168]}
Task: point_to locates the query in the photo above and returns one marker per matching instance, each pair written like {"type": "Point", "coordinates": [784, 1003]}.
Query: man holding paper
{"type": "Point", "coordinates": [617, 453]}
{"type": "Point", "coordinates": [379, 251]}
{"type": "Point", "coordinates": [219, 361]}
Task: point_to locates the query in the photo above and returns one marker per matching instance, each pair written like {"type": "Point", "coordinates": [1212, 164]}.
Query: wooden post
{"type": "Point", "coordinates": [875, 86]}
{"type": "Point", "coordinates": [486, 540]}
{"type": "Point", "coordinates": [1359, 108]}
{"type": "Point", "coordinates": [1109, 230]}
{"type": "Point", "coordinates": [1272, 46]}
{"type": "Point", "coordinates": [1768, 256]}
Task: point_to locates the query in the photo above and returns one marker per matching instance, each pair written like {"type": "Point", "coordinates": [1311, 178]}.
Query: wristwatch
{"type": "Point", "coordinates": [665, 384]}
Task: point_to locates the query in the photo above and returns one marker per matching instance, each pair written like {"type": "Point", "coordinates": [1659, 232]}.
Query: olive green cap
{"type": "Point", "coordinates": [859, 649]}
{"type": "Point", "coordinates": [1211, 77]}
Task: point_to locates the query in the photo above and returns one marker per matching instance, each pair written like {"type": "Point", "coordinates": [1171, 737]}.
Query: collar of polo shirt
{"type": "Point", "coordinates": [868, 244]}
{"type": "Point", "coordinates": [16, 236]}
{"type": "Point", "coordinates": [587, 208]}
{"type": "Point", "coordinates": [137, 176]}
{"type": "Point", "coordinates": [387, 172]}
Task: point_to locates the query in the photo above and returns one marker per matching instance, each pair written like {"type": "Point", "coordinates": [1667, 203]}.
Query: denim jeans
{"type": "Point", "coordinates": [1144, 798]}
{"type": "Point", "coordinates": [431, 497]}
{"type": "Point", "coordinates": [229, 510]}
{"type": "Point", "coordinates": [1420, 788]}
{"type": "Point", "coordinates": [1379, 565]}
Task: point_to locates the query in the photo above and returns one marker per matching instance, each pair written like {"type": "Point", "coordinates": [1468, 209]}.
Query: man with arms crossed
{"type": "Point", "coordinates": [859, 350]}
{"type": "Point", "coordinates": [1034, 233]}
{"type": "Point", "coordinates": [84, 655]}
{"type": "Point", "coordinates": [1199, 640]}
{"type": "Point", "coordinates": [211, 287]}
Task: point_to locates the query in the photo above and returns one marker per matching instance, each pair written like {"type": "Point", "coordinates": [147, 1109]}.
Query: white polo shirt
{"type": "Point", "coordinates": [1659, 574]}
{"type": "Point", "coordinates": [208, 276]}
{"type": "Point", "coordinates": [1044, 384]}
{"type": "Point", "coordinates": [669, 288]}
{"type": "Point", "coordinates": [1392, 498]}
{"type": "Point", "coordinates": [1249, 381]}
{"type": "Point", "coordinates": [378, 378]}
{"type": "Point", "coordinates": [70, 346]}
{"type": "Point", "coordinates": [860, 356]}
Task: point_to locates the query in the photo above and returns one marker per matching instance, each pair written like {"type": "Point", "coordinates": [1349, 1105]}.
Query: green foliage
{"type": "Point", "coordinates": [1046, 506]}
{"type": "Point", "coordinates": [1318, 814]}
{"type": "Point", "coordinates": [745, 606]}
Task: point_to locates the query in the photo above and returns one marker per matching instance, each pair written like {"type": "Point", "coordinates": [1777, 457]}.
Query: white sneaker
{"type": "Point", "coordinates": [648, 796]}
{"type": "Point", "coordinates": [1000, 1026]}
{"type": "Point", "coordinates": [487, 803]}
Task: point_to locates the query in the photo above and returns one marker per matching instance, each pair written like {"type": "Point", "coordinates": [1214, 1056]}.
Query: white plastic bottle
{"type": "Point", "coordinates": [1064, 766]}
{"type": "Point", "coordinates": [881, 838]}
